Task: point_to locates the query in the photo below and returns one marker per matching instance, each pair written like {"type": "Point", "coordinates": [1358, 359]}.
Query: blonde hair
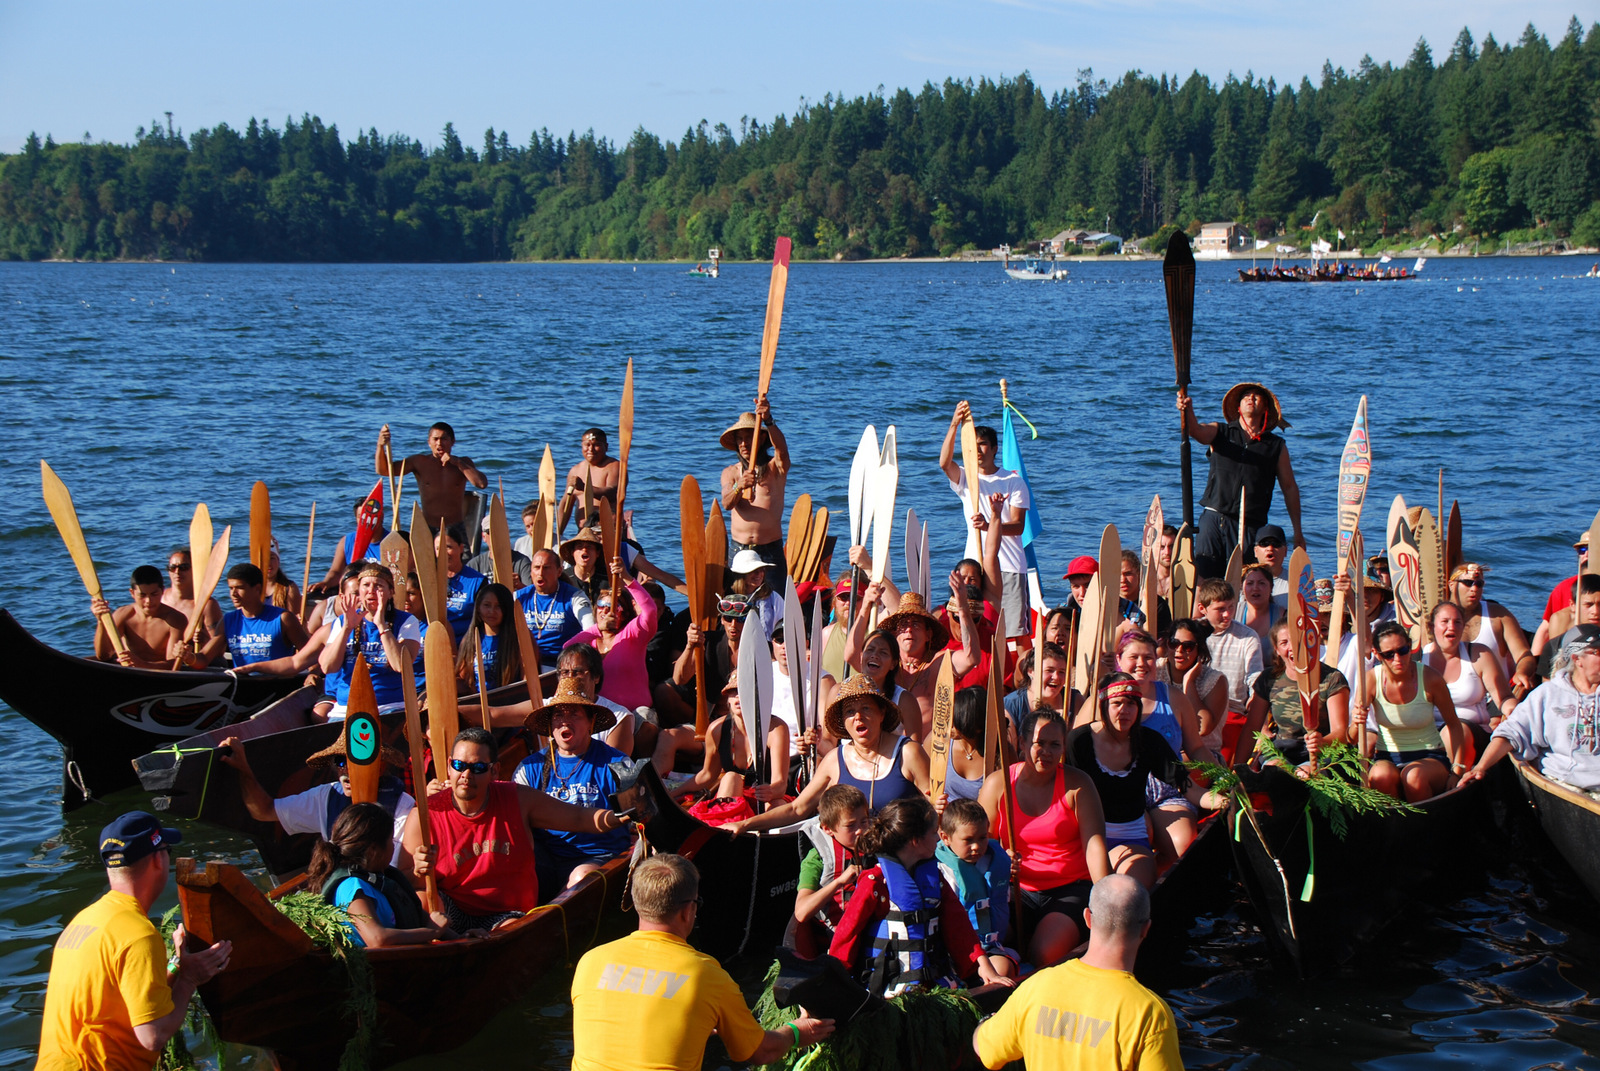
{"type": "Point", "coordinates": [662, 885]}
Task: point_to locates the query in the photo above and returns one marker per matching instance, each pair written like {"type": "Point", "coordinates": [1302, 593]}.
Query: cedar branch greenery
{"type": "Point", "coordinates": [1336, 791]}
{"type": "Point", "coordinates": [325, 925]}
{"type": "Point", "coordinates": [1492, 138]}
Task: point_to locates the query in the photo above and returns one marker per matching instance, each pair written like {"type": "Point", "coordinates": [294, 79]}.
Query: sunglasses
{"type": "Point", "coordinates": [1275, 544]}
{"type": "Point", "coordinates": [602, 606]}
{"type": "Point", "coordinates": [478, 768]}
{"type": "Point", "coordinates": [1398, 652]}
{"type": "Point", "coordinates": [1185, 645]}
{"type": "Point", "coordinates": [1471, 581]}
{"type": "Point", "coordinates": [177, 567]}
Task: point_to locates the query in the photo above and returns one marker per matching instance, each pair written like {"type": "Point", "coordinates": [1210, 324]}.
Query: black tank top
{"type": "Point", "coordinates": [1239, 461]}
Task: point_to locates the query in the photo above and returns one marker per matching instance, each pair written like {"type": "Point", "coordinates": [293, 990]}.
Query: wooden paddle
{"type": "Point", "coordinates": [305, 583]}
{"type": "Point", "coordinates": [912, 542]}
{"type": "Point", "coordinates": [500, 553]}
{"type": "Point", "coordinates": [691, 530]}
{"type": "Point", "coordinates": [1177, 273]}
{"type": "Point", "coordinates": [625, 440]}
{"type": "Point", "coordinates": [798, 536]}
{"type": "Point", "coordinates": [970, 467]}
{"type": "Point", "coordinates": [419, 774]}
{"type": "Point", "coordinates": [714, 557]}
{"type": "Point", "coordinates": [425, 560]}
{"type": "Point", "coordinates": [500, 541]}
{"type": "Point", "coordinates": [997, 755]}
{"type": "Point", "coordinates": [483, 683]}
{"type": "Point", "coordinates": [444, 717]}
{"type": "Point", "coordinates": [794, 652]}
{"type": "Point", "coordinates": [261, 529]}
{"type": "Point", "coordinates": [1110, 588]}
{"type": "Point", "coordinates": [363, 739]}
{"type": "Point", "coordinates": [814, 548]}
{"type": "Point", "coordinates": [1182, 596]}
{"type": "Point", "coordinates": [216, 563]}
{"type": "Point", "coordinates": [884, 485]}
{"type": "Point", "coordinates": [1452, 539]}
{"type": "Point", "coordinates": [944, 709]}
{"type": "Point", "coordinates": [1358, 587]}
{"type": "Point", "coordinates": [1306, 637]}
{"type": "Point", "coordinates": [368, 522]}
{"type": "Point", "coordinates": [547, 495]}
{"type": "Point", "coordinates": [202, 533]}
{"type": "Point", "coordinates": [441, 577]}
{"type": "Point", "coordinates": [863, 467]}
{"type": "Point", "coordinates": [608, 533]}
{"type": "Point", "coordinates": [769, 337]}
{"type": "Point", "coordinates": [1404, 570]}
{"type": "Point", "coordinates": [751, 696]}
{"type": "Point", "coordinates": [1150, 545]}
{"type": "Point", "coordinates": [814, 682]}
{"type": "Point", "coordinates": [395, 555]}
{"type": "Point", "coordinates": [1087, 652]}
{"type": "Point", "coordinates": [58, 500]}
{"type": "Point", "coordinates": [1430, 570]}
{"type": "Point", "coordinates": [1355, 469]}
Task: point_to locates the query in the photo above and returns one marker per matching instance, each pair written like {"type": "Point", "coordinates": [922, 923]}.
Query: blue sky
{"type": "Point", "coordinates": [107, 68]}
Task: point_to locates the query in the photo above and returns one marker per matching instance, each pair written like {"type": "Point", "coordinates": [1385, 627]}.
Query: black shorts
{"type": "Point", "coordinates": [460, 921]}
{"type": "Point", "coordinates": [1069, 900]}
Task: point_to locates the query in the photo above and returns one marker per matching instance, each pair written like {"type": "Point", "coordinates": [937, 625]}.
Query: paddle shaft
{"type": "Point", "coordinates": [419, 774]}
{"type": "Point", "coordinates": [776, 289]}
{"type": "Point", "coordinates": [305, 583]}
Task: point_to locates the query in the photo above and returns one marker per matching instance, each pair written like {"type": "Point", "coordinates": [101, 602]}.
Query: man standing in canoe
{"type": "Point", "coordinates": [993, 480]}
{"type": "Point", "coordinates": [753, 488]}
{"type": "Point", "coordinates": [441, 475]}
{"type": "Point", "coordinates": [598, 471]}
{"type": "Point", "coordinates": [114, 998]}
{"type": "Point", "coordinates": [1245, 455]}
{"type": "Point", "coordinates": [151, 630]}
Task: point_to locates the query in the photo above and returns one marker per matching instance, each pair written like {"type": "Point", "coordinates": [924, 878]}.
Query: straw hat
{"type": "Point", "coordinates": [729, 439]}
{"type": "Point", "coordinates": [583, 535]}
{"type": "Point", "coordinates": [1230, 406]}
{"type": "Point", "coordinates": [391, 756]}
{"type": "Point", "coordinates": [569, 695]}
{"type": "Point", "coordinates": [859, 684]}
{"type": "Point", "coordinates": [912, 606]}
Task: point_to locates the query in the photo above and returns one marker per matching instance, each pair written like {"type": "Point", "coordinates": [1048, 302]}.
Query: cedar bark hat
{"type": "Point", "coordinates": [1230, 405]}
{"type": "Point", "coordinates": [569, 695]}
{"type": "Point", "coordinates": [582, 535]}
{"type": "Point", "coordinates": [729, 439]}
{"type": "Point", "coordinates": [912, 606]}
{"type": "Point", "coordinates": [857, 686]}
{"type": "Point", "coordinates": [391, 756]}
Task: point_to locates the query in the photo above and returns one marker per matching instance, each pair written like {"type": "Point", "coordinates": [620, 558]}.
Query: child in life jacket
{"type": "Point", "coordinates": [904, 927]}
{"type": "Point", "coordinates": [978, 870]}
{"type": "Point", "coordinates": [829, 871]}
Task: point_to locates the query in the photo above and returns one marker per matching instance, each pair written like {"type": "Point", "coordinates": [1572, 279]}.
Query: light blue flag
{"type": "Point", "coordinates": [1011, 458]}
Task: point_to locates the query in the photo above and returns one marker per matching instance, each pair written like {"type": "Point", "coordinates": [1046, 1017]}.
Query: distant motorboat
{"type": "Point", "coordinates": [1035, 269]}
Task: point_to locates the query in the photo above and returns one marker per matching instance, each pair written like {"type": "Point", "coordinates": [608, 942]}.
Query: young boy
{"type": "Point", "coordinates": [830, 869]}
{"type": "Point", "coordinates": [1235, 652]}
{"type": "Point", "coordinates": [979, 870]}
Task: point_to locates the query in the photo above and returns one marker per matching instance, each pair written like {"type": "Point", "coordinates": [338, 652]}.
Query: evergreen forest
{"type": "Point", "coordinates": [1490, 141]}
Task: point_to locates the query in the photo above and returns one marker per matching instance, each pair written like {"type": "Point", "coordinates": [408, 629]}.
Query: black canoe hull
{"type": "Point", "coordinates": [1570, 819]}
{"type": "Point", "coordinates": [1197, 884]}
{"type": "Point", "coordinates": [189, 782]}
{"type": "Point", "coordinates": [1361, 882]}
{"type": "Point", "coordinates": [104, 715]}
{"type": "Point", "coordinates": [747, 882]}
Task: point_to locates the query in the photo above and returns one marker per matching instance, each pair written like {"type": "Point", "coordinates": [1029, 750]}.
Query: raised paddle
{"type": "Point", "coordinates": [1086, 654]}
{"type": "Point", "coordinates": [368, 522]}
{"type": "Point", "coordinates": [751, 697]}
{"type": "Point", "coordinates": [815, 546]}
{"type": "Point", "coordinates": [1150, 545]}
{"type": "Point", "coordinates": [814, 683]}
{"type": "Point", "coordinates": [500, 554]}
{"type": "Point", "coordinates": [396, 482]}
{"type": "Point", "coordinates": [691, 530]}
{"type": "Point", "coordinates": [1110, 588]}
{"type": "Point", "coordinates": [970, 468]}
{"type": "Point", "coordinates": [426, 563]}
{"type": "Point", "coordinates": [305, 583]}
{"type": "Point", "coordinates": [202, 533]}
{"type": "Point", "coordinates": [1430, 569]}
{"type": "Point", "coordinates": [884, 484]}
{"type": "Point", "coordinates": [997, 755]}
{"type": "Point", "coordinates": [441, 577]}
{"type": "Point", "coordinates": [216, 562]}
{"type": "Point", "coordinates": [1404, 570]}
{"type": "Point", "coordinates": [1182, 595]}
{"type": "Point", "coordinates": [363, 740]}
{"type": "Point", "coordinates": [419, 773]}
{"type": "Point", "coordinates": [625, 440]}
{"type": "Point", "coordinates": [444, 718]}
{"type": "Point", "coordinates": [500, 541]}
{"type": "Point", "coordinates": [912, 539]}
{"type": "Point", "coordinates": [1357, 561]}
{"type": "Point", "coordinates": [1306, 637]}
{"type": "Point", "coordinates": [776, 288]}
{"type": "Point", "coordinates": [1452, 539]}
{"type": "Point", "coordinates": [862, 468]}
{"type": "Point", "coordinates": [798, 536]}
{"type": "Point", "coordinates": [483, 682]}
{"type": "Point", "coordinates": [794, 652]}
{"type": "Point", "coordinates": [58, 500]}
{"type": "Point", "coordinates": [944, 709]}
{"type": "Point", "coordinates": [1177, 273]}
{"type": "Point", "coordinates": [1355, 469]}
{"type": "Point", "coordinates": [547, 498]}
{"type": "Point", "coordinates": [395, 554]}
{"type": "Point", "coordinates": [261, 529]}
{"type": "Point", "coordinates": [1593, 565]}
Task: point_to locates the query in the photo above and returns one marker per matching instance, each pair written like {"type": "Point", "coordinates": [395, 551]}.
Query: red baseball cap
{"type": "Point", "coordinates": [1082, 565]}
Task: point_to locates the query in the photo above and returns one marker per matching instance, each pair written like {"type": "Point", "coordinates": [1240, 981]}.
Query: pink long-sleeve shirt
{"type": "Point", "coordinates": [627, 678]}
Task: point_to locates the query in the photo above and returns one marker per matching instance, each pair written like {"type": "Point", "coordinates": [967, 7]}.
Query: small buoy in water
{"type": "Point", "coordinates": [174, 271]}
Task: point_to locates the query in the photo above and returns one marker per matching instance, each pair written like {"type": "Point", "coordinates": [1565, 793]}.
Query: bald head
{"type": "Point", "coordinates": [1120, 907]}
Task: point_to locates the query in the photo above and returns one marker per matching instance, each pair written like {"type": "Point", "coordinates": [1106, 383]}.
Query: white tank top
{"type": "Point", "coordinates": [1466, 691]}
{"type": "Point", "coordinates": [1486, 636]}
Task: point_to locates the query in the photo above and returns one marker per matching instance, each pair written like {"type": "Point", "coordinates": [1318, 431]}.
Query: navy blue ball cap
{"type": "Point", "coordinates": [133, 836]}
{"type": "Point", "coordinates": [1270, 533]}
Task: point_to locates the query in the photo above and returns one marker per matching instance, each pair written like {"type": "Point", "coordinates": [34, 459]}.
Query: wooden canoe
{"type": "Point", "coordinates": [1362, 882]}
{"type": "Point", "coordinates": [281, 993]}
{"type": "Point", "coordinates": [1197, 884]}
{"type": "Point", "coordinates": [747, 881]}
{"type": "Point", "coordinates": [1570, 818]}
{"type": "Point", "coordinates": [104, 714]}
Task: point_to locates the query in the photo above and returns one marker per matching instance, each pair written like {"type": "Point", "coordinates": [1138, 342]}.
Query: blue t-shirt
{"type": "Point", "coordinates": [584, 781]}
{"type": "Point", "coordinates": [352, 887]}
{"type": "Point", "coordinates": [464, 588]}
{"type": "Point", "coordinates": [491, 660]}
{"type": "Point", "coordinates": [553, 619]}
{"type": "Point", "coordinates": [256, 639]}
{"type": "Point", "coordinates": [385, 680]}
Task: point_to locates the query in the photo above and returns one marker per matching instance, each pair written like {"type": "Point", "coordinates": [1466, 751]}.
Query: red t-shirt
{"type": "Point", "coordinates": [1561, 597]}
{"type": "Point", "coordinates": [978, 676]}
{"type": "Point", "coordinates": [870, 904]}
{"type": "Point", "coordinates": [486, 860]}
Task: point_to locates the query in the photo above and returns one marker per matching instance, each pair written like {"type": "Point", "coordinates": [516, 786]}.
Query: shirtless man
{"type": "Point", "coordinates": [755, 521]}
{"type": "Point", "coordinates": [180, 596]}
{"type": "Point", "coordinates": [598, 471]}
{"type": "Point", "coordinates": [441, 475]}
{"type": "Point", "coordinates": [151, 630]}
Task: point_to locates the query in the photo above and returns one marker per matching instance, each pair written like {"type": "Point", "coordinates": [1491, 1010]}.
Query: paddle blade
{"type": "Point", "coordinates": [944, 708]}
{"type": "Point", "coordinates": [260, 528]}
{"type": "Point", "coordinates": [691, 530]}
{"type": "Point", "coordinates": [1430, 558]}
{"type": "Point", "coordinates": [794, 652]}
{"type": "Point", "coordinates": [1177, 273]}
{"type": "Point", "coordinates": [884, 484]}
{"type": "Point", "coordinates": [362, 740]}
{"type": "Point", "coordinates": [1149, 550]}
{"type": "Point", "coordinates": [1355, 467]}
{"type": "Point", "coordinates": [862, 466]}
{"type": "Point", "coordinates": [1182, 597]}
{"type": "Point", "coordinates": [994, 743]}
{"type": "Point", "coordinates": [1110, 584]}
{"type": "Point", "coordinates": [369, 522]}
{"type": "Point", "coordinates": [500, 543]}
{"type": "Point", "coordinates": [394, 553]}
{"type": "Point", "coordinates": [58, 500]}
{"type": "Point", "coordinates": [776, 289]}
{"type": "Point", "coordinates": [715, 553]}
{"type": "Point", "coordinates": [751, 654]}
{"type": "Point", "coordinates": [912, 541]}
{"type": "Point", "coordinates": [1358, 588]}
{"type": "Point", "coordinates": [1305, 634]}
{"type": "Point", "coordinates": [624, 436]}
{"type": "Point", "coordinates": [970, 469]}
{"type": "Point", "coordinates": [444, 718]}
{"type": "Point", "coordinates": [1452, 540]}
{"type": "Point", "coordinates": [1405, 571]}
{"type": "Point", "coordinates": [798, 536]}
{"type": "Point", "coordinates": [547, 495]}
{"type": "Point", "coordinates": [425, 564]}
{"type": "Point", "coordinates": [202, 533]}
{"type": "Point", "coordinates": [813, 555]}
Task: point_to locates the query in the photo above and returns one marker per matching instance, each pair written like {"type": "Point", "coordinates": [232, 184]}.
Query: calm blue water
{"type": "Point", "coordinates": [149, 388]}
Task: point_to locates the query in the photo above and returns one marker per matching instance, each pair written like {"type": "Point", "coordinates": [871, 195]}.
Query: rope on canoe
{"type": "Point", "coordinates": [1311, 863]}
{"type": "Point", "coordinates": [75, 778]}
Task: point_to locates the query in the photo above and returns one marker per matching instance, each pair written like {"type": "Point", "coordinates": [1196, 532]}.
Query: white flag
{"type": "Point", "coordinates": [1420, 262]}
{"type": "Point", "coordinates": [1262, 243]}
{"type": "Point", "coordinates": [1385, 259]}
{"type": "Point", "coordinates": [1286, 249]}
{"type": "Point", "coordinates": [1341, 236]}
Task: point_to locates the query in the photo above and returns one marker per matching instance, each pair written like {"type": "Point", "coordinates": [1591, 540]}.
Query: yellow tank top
{"type": "Point", "coordinates": [1409, 726]}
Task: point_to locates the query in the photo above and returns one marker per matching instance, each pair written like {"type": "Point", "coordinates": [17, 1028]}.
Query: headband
{"type": "Point", "coordinates": [1121, 690]}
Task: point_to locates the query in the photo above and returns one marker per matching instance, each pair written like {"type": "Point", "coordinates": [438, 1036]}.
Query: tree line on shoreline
{"type": "Point", "coordinates": [1493, 140]}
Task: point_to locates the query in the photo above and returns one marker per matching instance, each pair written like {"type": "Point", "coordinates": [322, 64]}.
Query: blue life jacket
{"type": "Point", "coordinates": [390, 789]}
{"type": "Point", "coordinates": [982, 890]}
{"type": "Point", "coordinates": [907, 949]}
